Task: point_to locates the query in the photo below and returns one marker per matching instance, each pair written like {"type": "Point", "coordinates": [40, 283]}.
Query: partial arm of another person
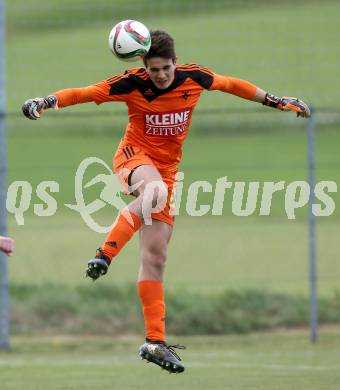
{"type": "Point", "coordinates": [247, 90]}
{"type": "Point", "coordinates": [7, 245]}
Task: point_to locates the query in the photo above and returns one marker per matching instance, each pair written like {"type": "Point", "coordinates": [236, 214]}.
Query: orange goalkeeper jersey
{"type": "Point", "coordinates": [159, 120]}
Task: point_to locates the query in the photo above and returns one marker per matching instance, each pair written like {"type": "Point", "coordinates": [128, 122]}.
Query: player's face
{"type": "Point", "coordinates": [161, 71]}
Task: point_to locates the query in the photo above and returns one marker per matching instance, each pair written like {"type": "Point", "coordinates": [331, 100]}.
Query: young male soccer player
{"type": "Point", "coordinates": [7, 245]}
{"type": "Point", "coordinates": [160, 99]}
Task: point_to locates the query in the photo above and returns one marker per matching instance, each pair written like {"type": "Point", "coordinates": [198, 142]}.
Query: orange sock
{"type": "Point", "coordinates": [126, 225]}
{"type": "Point", "coordinates": [151, 294]}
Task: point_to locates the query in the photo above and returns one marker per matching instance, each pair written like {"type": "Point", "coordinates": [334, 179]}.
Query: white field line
{"type": "Point", "coordinates": [52, 361]}
{"type": "Point", "coordinates": [109, 362]}
{"type": "Point", "coordinates": [287, 367]}
{"type": "Point", "coordinates": [233, 354]}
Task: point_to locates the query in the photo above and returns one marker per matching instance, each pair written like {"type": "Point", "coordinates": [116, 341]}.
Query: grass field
{"type": "Point", "coordinates": [279, 361]}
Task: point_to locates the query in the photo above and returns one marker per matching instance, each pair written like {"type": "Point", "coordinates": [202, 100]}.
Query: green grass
{"type": "Point", "coordinates": [208, 254]}
{"type": "Point", "coordinates": [105, 309]}
{"type": "Point", "coordinates": [277, 361]}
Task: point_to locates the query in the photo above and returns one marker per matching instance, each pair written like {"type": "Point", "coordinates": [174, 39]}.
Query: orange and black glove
{"type": "Point", "coordinates": [287, 104]}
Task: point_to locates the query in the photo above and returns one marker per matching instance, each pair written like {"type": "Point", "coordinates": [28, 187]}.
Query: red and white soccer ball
{"type": "Point", "coordinates": [129, 40]}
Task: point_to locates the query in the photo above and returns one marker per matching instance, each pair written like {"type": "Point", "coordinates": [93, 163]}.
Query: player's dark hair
{"type": "Point", "coordinates": [162, 45]}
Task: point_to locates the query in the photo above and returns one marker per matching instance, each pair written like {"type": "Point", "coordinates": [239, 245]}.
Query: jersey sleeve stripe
{"type": "Point", "coordinates": [194, 67]}
{"type": "Point", "coordinates": [114, 79]}
{"type": "Point", "coordinates": [139, 72]}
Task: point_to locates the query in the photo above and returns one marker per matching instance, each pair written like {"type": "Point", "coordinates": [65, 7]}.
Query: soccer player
{"type": "Point", "coordinates": [7, 245]}
{"type": "Point", "coordinates": [160, 98]}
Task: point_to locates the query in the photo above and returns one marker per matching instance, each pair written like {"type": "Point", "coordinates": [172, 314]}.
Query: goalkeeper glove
{"type": "Point", "coordinates": [287, 104]}
{"type": "Point", "coordinates": [32, 108]}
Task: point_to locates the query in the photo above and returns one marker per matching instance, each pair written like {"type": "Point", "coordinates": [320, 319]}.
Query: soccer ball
{"type": "Point", "coordinates": [129, 40]}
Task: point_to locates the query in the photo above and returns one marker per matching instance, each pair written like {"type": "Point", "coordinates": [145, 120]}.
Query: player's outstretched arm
{"type": "Point", "coordinates": [99, 93]}
{"type": "Point", "coordinates": [33, 108]}
{"type": "Point", "coordinates": [7, 245]}
{"type": "Point", "coordinates": [247, 90]}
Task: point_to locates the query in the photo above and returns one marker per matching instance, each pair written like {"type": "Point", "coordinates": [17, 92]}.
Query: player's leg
{"type": "Point", "coordinates": [151, 191]}
{"type": "Point", "coordinates": [154, 241]}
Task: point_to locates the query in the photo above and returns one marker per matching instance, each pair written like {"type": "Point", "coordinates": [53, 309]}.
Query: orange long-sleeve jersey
{"type": "Point", "coordinates": [159, 120]}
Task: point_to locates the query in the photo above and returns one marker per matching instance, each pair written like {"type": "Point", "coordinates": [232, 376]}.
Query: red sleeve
{"type": "Point", "coordinates": [235, 86]}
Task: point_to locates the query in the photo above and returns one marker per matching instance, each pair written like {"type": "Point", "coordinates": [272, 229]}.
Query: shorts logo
{"type": "Point", "coordinates": [167, 124]}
